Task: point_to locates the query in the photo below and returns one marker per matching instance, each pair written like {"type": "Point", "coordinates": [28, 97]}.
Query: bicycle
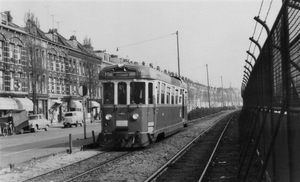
{"type": "Point", "coordinates": [7, 130]}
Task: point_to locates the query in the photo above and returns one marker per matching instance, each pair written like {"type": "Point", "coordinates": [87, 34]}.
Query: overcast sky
{"type": "Point", "coordinates": [212, 32]}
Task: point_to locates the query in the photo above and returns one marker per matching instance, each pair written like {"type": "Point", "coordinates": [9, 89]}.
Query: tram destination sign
{"type": "Point", "coordinates": [121, 74]}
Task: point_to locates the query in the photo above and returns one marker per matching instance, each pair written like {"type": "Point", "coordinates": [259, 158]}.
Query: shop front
{"type": "Point", "coordinates": [7, 104]}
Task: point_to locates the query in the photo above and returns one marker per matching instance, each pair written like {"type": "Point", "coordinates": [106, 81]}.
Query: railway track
{"type": "Point", "coordinates": [193, 161]}
{"type": "Point", "coordinates": [137, 165]}
{"type": "Point", "coordinates": [76, 170]}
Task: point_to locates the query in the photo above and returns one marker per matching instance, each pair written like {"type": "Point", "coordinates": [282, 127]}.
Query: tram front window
{"type": "Point", "coordinates": [122, 93]}
{"type": "Point", "coordinates": [137, 93]}
{"type": "Point", "coordinates": [108, 90]}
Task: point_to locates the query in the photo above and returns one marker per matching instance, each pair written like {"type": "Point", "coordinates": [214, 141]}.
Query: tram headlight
{"type": "Point", "coordinates": [108, 117]}
{"type": "Point", "coordinates": [135, 116]}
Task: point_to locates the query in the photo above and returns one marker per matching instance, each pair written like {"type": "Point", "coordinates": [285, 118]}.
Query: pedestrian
{"type": "Point", "coordinates": [10, 122]}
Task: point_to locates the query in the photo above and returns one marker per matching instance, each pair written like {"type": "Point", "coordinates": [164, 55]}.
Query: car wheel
{"type": "Point", "coordinates": [69, 125]}
{"type": "Point", "coordinates": [21, 131]}
{"type": "Point", "coordinates": [33, 130]}
{"type": "Point", "coordinates": [46, 128]}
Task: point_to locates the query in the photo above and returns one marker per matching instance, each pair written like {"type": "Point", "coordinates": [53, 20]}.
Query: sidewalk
{"type": "Point", "coordinates": [18, 158]}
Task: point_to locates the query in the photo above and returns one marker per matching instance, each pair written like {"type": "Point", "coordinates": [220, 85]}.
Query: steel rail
{"type": "Point", "coordinates": [60, 168]}
{"type": "Point", "coordinates": [177, 156]}
{"type": "Point", "coordinates": [97, 167]}
{"type": "Point", "coordinates": [214, 151]}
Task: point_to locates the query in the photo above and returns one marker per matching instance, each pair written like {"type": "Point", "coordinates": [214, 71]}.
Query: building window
{"type": "Point", "coordinates": [63, 64]}
{"type": "Point", "coordinates": [79, 69]}
{"type": "Point", "coordinates": [63, 86]}
{"type": "Point", "coordinates": [74, 89]}
{"type": "Point", "coordinates": [74, 66]}
{"type": "Point", "coordinates": [83, 68]}
{"type": "Point", "coordinates": [49, 84]}
{"type": "Point", "coordinates": [43, 84]}
{"type": "Point", "coordinates": [1, 81]}
{"type": "Point", "coordinates": [44, 61]}
{"type": "Point", "coordinates": [11, 50]}
{"type": "Point", "coordinates": [67, 86]}
{"type": "Point", "coordinates": [7, 81]}
{"type": "Point", "coordinates": [58, 64]}
{"type": "Point", "coordinates": [54, 85]}
{"type": "Point", "coordinates": [58, 86]}
{"type": "Point", "coordinates": [71, 88]}
{"type": "Point", "coordinates": [1, 50]}
{"type": "Point", "coordinates": [66, 65]}
{"type": "Point", "coordinates": [17, 85]}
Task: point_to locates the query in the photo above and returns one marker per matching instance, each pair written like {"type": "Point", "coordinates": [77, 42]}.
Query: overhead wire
{"type": "Point", "coordinates": [145, 41]}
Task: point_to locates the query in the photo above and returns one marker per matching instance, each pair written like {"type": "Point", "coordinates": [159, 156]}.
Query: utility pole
{"type": "Point", "coordinates": [47, 16]}
{"type": "Point", "coordinates": [178, 54]}
{"type": "Point", "coordinates": [222, 92]}
{"type": "Point", "coordinates": [208, 86]}
{"type": "Point", "coordinates": [52, 21]}
{"type": "Point", "coordinates": [58, 25]}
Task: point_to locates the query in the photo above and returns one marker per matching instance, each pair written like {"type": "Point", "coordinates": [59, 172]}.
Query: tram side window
{"type": "Point", "coordinates": [150, 93]}
{"type": "Point", "coordinates": [168, 96]}
{"type": "Point", "coordinates": [163, 86]}
{"type": "Point", "coordinates": [172, 95]}
{"type": "Point", "coordinates": [176, 96]}
{"type": "Point", "coordinates": [122, 93]}
{"type": "Point", "coordinates": [180, 97]}
{"type": "Point", "coordinates": [137, 93]}
{"type": "Point", "coordinates": [158, 92]}
{"type": "Point", "coordinates": [108, 90]}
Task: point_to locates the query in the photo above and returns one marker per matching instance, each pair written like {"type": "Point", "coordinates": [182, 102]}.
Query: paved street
{"type": "Point", "coordinates": [20, 148]}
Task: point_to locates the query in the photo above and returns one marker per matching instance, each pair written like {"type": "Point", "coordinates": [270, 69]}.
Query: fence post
{"type": "Point", "coordinates": [70, 143]}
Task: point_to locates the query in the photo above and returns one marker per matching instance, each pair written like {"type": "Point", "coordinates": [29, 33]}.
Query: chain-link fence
{"type": "Point", "coordinates": [270, 120]}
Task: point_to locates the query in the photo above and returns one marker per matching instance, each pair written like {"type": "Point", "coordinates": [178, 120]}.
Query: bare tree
{"type": "Point", "coordinates": [87, 44]}
{"type": "Point", "coordinates": [31, 22]}
{"type": "Point", "coordinates": [35, 67]}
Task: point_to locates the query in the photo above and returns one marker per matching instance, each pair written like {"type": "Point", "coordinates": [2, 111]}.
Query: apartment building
{"type": "Point", "coordinates": [41, 72]}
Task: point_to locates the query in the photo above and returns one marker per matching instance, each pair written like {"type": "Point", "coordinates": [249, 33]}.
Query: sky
{"type": "Point", "coordinates": [213, 35]}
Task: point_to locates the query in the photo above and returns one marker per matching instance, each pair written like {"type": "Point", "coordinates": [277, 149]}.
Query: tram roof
{"type": "Point", "coordinates": [143, 72]}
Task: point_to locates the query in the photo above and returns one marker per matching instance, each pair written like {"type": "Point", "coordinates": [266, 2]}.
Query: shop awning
{"type": "Point", "coordinates": [8, 104]}
{"type": "Point", "coordinates": [56, 104]}
{"type": "Point", "coordinates": [95, 104]}
{"type": "Point", "coordinates": [24, 103]}
{"type": "Point", "coordinates": [76, 104]}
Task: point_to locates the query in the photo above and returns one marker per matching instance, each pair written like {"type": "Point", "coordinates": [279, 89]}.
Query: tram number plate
{"type": "Point", "coordinates": [122, 123]}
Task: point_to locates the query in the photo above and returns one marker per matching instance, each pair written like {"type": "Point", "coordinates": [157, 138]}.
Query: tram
{"type": "Point", "coordinates": [140, 104]}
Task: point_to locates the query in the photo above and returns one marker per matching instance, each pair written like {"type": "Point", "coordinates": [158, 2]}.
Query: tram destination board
{"type": "Point", "coordinates": [121, 74]}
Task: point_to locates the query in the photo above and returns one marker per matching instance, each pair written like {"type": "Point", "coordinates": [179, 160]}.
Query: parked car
{"type": "Point", "coordinates": [73, 118]}
{"type": "Point", "coordinates": [37, 122]}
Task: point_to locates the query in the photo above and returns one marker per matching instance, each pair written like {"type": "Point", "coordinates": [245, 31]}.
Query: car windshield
{"type": "Point", "coordinates": [33, 117]}
{"type": "Point", "coordinates": [69, 114]}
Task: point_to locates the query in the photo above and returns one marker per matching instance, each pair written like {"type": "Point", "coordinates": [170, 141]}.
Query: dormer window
{"type": "Point", "coordinates": [55, 38]}
{"type": "Point", "coordinates": [3, 18]}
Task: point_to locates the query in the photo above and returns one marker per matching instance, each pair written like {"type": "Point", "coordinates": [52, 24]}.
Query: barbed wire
{"type": "Point", "coordinates": [255, 27]}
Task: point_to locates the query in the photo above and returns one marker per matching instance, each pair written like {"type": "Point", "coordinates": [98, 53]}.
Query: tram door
{"type": "Point", "coordinates": [152, 108]}
{"type": "Point", "coordinates": [182, 108]}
